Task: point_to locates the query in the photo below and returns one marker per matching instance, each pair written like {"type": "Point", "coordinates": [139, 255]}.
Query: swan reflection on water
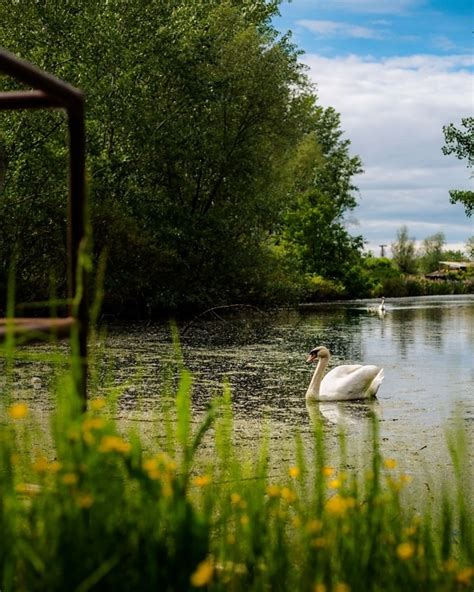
{"type": "Point", "coordinates": [344, 413]}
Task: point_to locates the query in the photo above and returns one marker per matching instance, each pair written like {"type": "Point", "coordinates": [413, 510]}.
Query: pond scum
{"type": "Point", "coordinates": [84, 506]}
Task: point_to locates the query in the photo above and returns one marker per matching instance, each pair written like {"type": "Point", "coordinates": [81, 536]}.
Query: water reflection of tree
{"type": "Point", "coordinates": [405, 322]}
{"type": "Point", "coordinates": [433, 321]}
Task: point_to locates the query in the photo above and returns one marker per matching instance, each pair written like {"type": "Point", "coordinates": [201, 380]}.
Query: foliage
{"type": "Point", "coordinates": [404, 251]}
{"type": "Point", "coordinates": [321, 193]}
{"type": "Point", "coordinates": [461, 144]}
{"type": "Point", "coordinates": [193, 113]}
{"type": "Point", "coordinates": [431, 252]}
{"type": "Point", "coordinates": [470, 247]}
{"type": "Point", "coordinates": [99, 509]}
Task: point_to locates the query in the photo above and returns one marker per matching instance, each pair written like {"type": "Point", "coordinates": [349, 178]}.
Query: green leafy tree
{"type": "Point", "coordinates": [461, 144]}
{"type": "Point", "coordinates": [432, 252]}
{"type": "Point", "coordinates": [404, 251]}
{"type": "Point", "coordinates": [321, 193]}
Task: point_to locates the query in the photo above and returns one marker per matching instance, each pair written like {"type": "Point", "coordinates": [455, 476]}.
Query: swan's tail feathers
{"type": "Point", "coordinates": [376, 382]}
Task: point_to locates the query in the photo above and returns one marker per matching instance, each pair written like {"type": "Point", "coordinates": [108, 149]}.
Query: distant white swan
{"type": "Point", "coordinates": [379, 310]}
{"type": "Point", "coordinates": [343, 383]}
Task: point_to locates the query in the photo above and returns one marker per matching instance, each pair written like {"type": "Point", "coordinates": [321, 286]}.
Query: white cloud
{"type": "Point", "coordinates": [368, 6]}
{"type": "Point", "coordinates": [393, 110]}
{"type": "Point", "coordinates": [339, 29]}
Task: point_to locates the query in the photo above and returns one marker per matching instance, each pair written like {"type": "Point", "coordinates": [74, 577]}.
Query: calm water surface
{"type": "Point", "coordinates": [425, 346]}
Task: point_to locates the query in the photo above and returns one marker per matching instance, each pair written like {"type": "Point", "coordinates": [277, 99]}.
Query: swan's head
{"type": "Point", "coordinates": [317, 353]}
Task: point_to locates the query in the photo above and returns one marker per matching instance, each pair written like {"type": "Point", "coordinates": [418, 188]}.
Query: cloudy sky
{"type": "Point", "coordinates": [396, 71]}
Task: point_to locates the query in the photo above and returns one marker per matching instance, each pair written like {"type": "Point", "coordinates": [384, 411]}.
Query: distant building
{"type": "Point", "coordinates": [448, 269]}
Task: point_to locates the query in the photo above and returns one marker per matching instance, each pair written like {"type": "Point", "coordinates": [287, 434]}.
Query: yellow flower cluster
{"type": "Point", "coordinates": [97, 404]}
{"type": "Point", "coordinates": [465, 576]}
{"type": "Point", "coordinates": [285, 493]}
{"type": "Point", "coordinates": [202, 480]}
{"type": "Point", "coordinates": [42, 466]}
{"type": "Point", "coordinates": [203, 574]}
{"type": "Point", "coordinates": [337, 505]}
{"type": "Point", "coordinates": [18, 411]}
{"type": "Point", "coordinates": [294, 472]}
{"type": "Point", "coordinates": [114, 444]}
{"type": "Point", "coordinates": [405, 551]}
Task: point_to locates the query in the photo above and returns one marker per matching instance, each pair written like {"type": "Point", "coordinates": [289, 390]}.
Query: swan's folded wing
{"type": "Point", "coordinates": [351, 382]}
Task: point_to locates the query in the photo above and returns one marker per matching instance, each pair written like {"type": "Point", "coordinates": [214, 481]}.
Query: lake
{"type": "Point", "coordinates": [425, 346]}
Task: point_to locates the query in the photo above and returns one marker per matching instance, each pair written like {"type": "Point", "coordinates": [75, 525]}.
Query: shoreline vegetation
{"type": "Point", "coordinates": [85, 505]}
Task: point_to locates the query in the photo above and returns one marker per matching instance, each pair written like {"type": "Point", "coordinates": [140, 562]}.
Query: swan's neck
{"type": "Point", "coordinates": [313, 389]}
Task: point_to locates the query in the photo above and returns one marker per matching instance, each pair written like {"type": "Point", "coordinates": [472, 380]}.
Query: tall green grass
{"type": "Point", "coordinates": [84, 506]}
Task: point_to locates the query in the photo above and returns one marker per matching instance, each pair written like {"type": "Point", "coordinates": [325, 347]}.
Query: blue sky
{"type": "Point", "coordinates": [396, 71]}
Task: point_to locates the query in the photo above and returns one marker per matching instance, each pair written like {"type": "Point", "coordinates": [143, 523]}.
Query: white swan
{"type": "Point", "coordinates": [382, 305]}
{"type": "Point", "coordinates": [343, 383]}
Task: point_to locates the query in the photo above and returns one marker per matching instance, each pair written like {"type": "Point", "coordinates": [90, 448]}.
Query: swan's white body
{"type": "Point", "coordinates": [379, 310]}
{"type": "Point", "coordinates": [343, 383]}
{"type": "Point", "coordinates": [382, 305]}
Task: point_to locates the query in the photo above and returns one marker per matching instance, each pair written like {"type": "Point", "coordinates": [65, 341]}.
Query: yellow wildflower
{"type": "Point", "coordinates": [203, 574]}
{"type": "Point", "coordinates": [328, 471]}
{"type": "Point", "coordinates": [296, 521]}
{"type": "Point", "coordinates": [167, 488]}
{"type": "Point", "coordinates": [244, 520]}
{"type": "Point", "coordinates": [202, 480]}
{"type": "Point", "coordinates": [231, 539]}
{"type": "Point", "coordinates": [319, 587]}
{"type": "Point", "coordinates": [273, 491]}
{"type": "Point", "coordinates": [294, 472]}
{"type": "Point", "coordinates": [18, 410]}
{"type": "Point", "coordinates": [235, 498]}
{"type": "Point", "coordinates": [390, 463]}
{"type": "Point", "coordinates": [465, 576]}
{"type": "Point", "coordinates": [341, 587]}
{"type": "Point", "coordinates": [97, 404]}
{"type": "Point", "coordinates": [404, 479]}
{"type": "Point", "coordinates": [338, 505]}
{"type": "Point", "coordinates": [335, 483]}
{"type": "Point", "coordinates": [93, 423]}
{"type": "Point", "coordinates": [450, 565]}
{"type": "Point", "coordinates": [288, 494]}
{"type": "Point", "coordinates": [405, 551]}
{"type": "Point", "coordinates": [114, 444]}
{"type": "Point", "coordinates": [319, 542]}
{"type": "Point", "coordinates": [85, 500]}
{"type": "Point", "coordinates": [410, 531]}
{"type": "Point", "coordinates": [150, 466]}
{"type": "Point", "coordinates": [54, 466]}
{"type": "Point", "coordinates": [70, 479]}
{"type": "Point", "coordinates": [41, 465]}
{"type": "Point", "coordinates": [314, 526]}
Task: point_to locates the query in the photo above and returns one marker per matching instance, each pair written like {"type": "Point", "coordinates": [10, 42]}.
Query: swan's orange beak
{"type": "Point", "coordinates": [311, 358]}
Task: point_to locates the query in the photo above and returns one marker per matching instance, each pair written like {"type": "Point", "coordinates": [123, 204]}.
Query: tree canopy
{"type": "Point", "coordinates": [211, 166]}
{"type": "Point", "coordinates": [461, 144]}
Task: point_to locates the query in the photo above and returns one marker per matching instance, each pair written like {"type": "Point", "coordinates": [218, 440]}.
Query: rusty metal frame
{"type": "Point", "coordinates": [52, 93]}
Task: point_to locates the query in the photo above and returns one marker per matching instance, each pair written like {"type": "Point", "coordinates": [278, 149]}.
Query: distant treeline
{"type": "Point", "coordinates": [214, 174]}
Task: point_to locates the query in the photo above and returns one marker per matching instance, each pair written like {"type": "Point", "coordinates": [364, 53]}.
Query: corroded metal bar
{"type": "Point", "coordinates": [28, 99]}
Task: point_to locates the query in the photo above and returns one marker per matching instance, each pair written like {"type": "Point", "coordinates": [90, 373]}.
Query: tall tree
{"type": "Point", "coordinates": [404, 251]}
{"type": "Point", "coordinates": [432, 252]}
{"type": "Point", "coordinates": [320, 196]}
{"type": "Point", "coordinates": [461, 144]}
